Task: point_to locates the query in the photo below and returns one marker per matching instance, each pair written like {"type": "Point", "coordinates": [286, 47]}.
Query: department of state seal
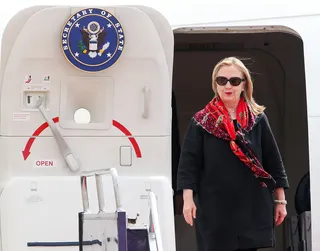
{"type": "Point", "coordinates": [92, 40]}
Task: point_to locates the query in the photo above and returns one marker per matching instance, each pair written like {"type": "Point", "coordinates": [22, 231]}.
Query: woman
{"type": "Point", "coordinates": [230, 166]}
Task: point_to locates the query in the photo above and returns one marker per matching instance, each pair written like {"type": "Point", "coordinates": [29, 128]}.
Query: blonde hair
{"type": "Point", "coordinates": [248, 91]}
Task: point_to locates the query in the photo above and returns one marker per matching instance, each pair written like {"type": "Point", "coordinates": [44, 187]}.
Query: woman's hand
{"type": "Point", "coordinates": [189, 207]}
{"type": "Point", "coordinates": [280, 213]}
{"type": "Point", "coordinates": [280, 209]}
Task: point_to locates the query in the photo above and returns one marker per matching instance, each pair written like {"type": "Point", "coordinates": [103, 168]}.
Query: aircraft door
{"type": "Point", "coordinates": [83, 89]}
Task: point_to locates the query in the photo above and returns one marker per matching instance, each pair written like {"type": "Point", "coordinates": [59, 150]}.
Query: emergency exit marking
{"type": "Point", "coordinates": [44, 163]}
{"type": "Point", "coordinates": [27, 149]}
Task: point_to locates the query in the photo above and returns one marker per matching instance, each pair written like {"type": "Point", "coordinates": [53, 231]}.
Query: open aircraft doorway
{"type": "Point", "coordinates": [275, 57]}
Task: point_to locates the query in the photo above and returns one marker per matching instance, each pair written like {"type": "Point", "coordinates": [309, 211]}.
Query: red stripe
{"type": "Point", "coordinates": [115, 123]}
{"type": "Point", "coordinates": [127, 133]}
{"type": "Point", "coordinates": [121, 128]}
{"type": "Point", "coordinates": [135, 147]}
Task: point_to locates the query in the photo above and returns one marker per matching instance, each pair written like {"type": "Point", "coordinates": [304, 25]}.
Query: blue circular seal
{"type": "Point", "coordinates": [92, 39]}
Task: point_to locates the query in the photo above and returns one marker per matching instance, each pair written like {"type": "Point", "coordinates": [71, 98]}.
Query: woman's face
{"type": "Point", "coordinates": [230, 83]}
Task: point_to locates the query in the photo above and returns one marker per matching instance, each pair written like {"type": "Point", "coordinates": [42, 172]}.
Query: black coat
{"type": "Point", "coordinates": [233, 210]}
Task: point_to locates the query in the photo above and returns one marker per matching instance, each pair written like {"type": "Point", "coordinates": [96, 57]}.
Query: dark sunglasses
{"type": "Point", "coordinates": [234, 81]}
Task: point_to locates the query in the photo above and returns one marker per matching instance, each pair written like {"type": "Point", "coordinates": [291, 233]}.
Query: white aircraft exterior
{"type": "Point", "coordinates": [117, 66]}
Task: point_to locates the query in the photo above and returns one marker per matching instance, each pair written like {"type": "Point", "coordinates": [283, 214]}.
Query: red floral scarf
{"type": "Point", "coordinates": [214, 118]}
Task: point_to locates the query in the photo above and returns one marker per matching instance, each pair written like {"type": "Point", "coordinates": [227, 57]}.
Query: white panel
{"type": "Point", "coordinates": [144, 62]}
{"type": "Point", "coordinates": [90, 157]}
{"type": "Point", "coordinates": [40, 194]}
{"type": "Point", "coordinates": [50, 213]}
{"type": "Point", "coordinates": [314, 138]}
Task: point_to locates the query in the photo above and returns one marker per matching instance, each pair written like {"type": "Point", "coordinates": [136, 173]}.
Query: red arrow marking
{"type": "Point", "coordinates": [40, 129]}
{"type": "Point", "coordinates": [26, 152]}
{"type": "Point", "coordinates": [127, 133]}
